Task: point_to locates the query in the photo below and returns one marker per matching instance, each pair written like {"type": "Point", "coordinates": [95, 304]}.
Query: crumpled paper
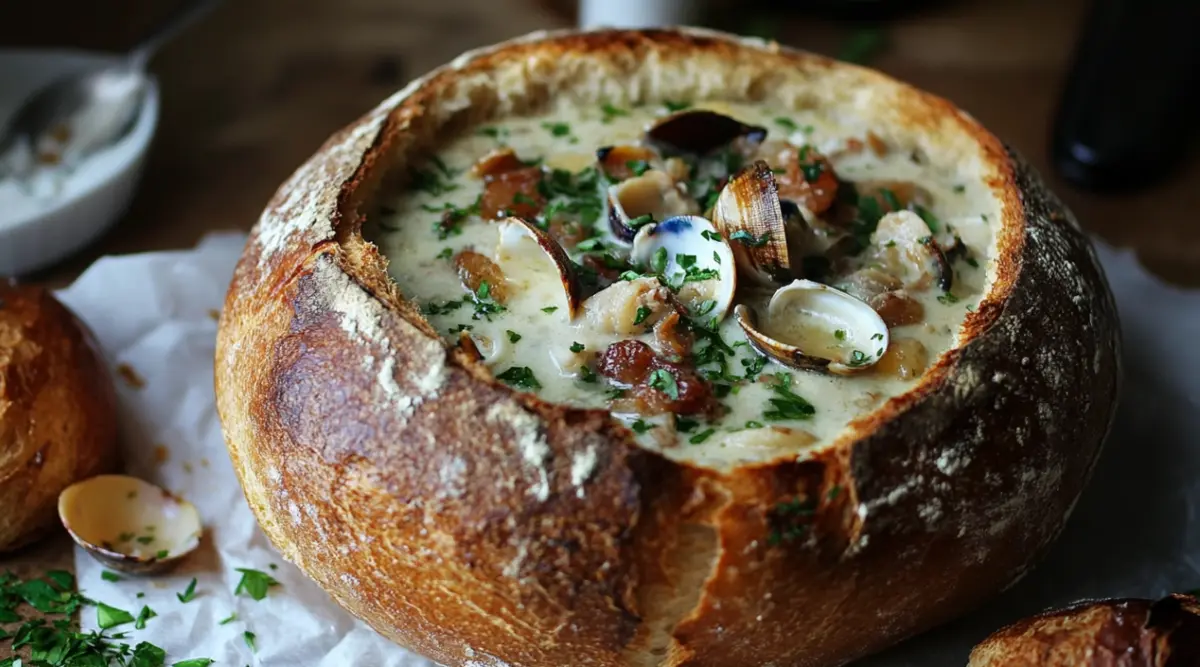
{"type": "Point", "coordinates": [1136, 531]}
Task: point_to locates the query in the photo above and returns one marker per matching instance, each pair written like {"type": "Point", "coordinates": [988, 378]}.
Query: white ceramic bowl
{"type": "Point", "coordinates": [36, 231]}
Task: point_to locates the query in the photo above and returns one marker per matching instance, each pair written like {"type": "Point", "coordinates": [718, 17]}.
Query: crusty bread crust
{"type": "Point", "coordinates": [58, 416]}
{"type": "Point", "coordinates": [1108, 633]}
{"type": "Point", "coordinates": [480, 526]}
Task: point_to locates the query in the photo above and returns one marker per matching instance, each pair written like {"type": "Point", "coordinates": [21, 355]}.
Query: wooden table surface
{"type": "Point", "coordinates": [251, 92]}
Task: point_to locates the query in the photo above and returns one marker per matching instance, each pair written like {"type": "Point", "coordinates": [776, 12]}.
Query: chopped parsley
{"type": "Point", "coordinates": [972, 262]}
{"type": "Point", "coordinates": [959, 189]}
{"type": "Point", "coordinates": [638, 167]}
{"type": "Point", "coordinates": [512, 335]}
{"type": "Point", "coordinates": [685, 425]}
{"type": "Point", "coordinates": [451, 218]}
{"type": "Point", "coordinates": [577, 347]}
{"type": "Point", "coordinates": [658, 261]}
{"type": "Point", "coordinates": [674, 106]}
{"type": "Point", "coordinates": [662, 380]}
{"type": "Point", "coordinates": [641, 426]}
{"type": "Point", "coordinates": [578, 195]}
{"type": "Point", "coordinates": [249, 637]}
{"type": "Point", "coordinates": [877, 336]}
{"type": "Point", "coordinates": [549, 309]}
{"type": "Point", "coordinates": [446, 253]}
{"type": "Point", "coordinates": [228, 619]}
{"type": "Point", "coordinates": [706, 306]}
{"type": "Point", "coordinates": [947, 298]}
{"type": "Point", "coordinates": [189, 594]}
{"type": "Point", "coordinates": [754, 424]}
{"type": "Point", "coordinates": [711, 235]}
{"type": "Point", "coordinates": [194, 662]}
{"type": "Point", "coordinates": [586, 374]}
{"type": "Point", "coordinates": [785, 404]}
{"type": "Point", "coordinates": [754, 366]}
{"type": "Point", "coordinates": [557, 129]}
{"type": "Point", "coordinates": [520, 377]}
{"type": "Point", "coordinates": [610, 112]}
{"type": "Point", "coordinates": [890, 198]}
{"type": "Point", "coordinates": [496, 132]}
{"type": "Point", "coordinates": [930, 219]}
{"type": "Point", "coordinates": [642, 313]}
{"type": "Point", "coordinates": [628, 276]}
{"type": "Point", "coordinates": [161, 554]}
{"type": "Point", "coordinates": [591, 245]}
{"type": "Point", "coordinates": [858, 358]}
{"type": "Point", "coordinates": [485, 306]}
{"type": "Point", "coordinates": [702, 436]}
{"type": "Point", "coordinates": [144, 615]}
{"type": "Point", "coordinates": [787, 123]}
{"type": "Point", "coordinates": [640, 221]}
{"type": "Point", "coordinates": [613, 394]}
{"type": "Point", "coordinates": [144, 539]}
{"type": "Point", "coordinates": [110, 617]}
{"type": "Point", "coordinates": [254, 583]}
{"type": "Point", "coordinates": [110, 576]}
{"type": "Point", "coordinates": [840, 334]}
{"type": "Point", "coordinates": [747, 239]}
{"type": "Point", "coordinates": [435, 181]}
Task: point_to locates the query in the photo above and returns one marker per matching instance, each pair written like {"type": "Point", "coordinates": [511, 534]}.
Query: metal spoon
{"type": "Point", "coordinates": [87, 111]}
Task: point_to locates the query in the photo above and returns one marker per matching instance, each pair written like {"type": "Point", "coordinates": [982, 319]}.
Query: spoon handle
{"type": "Point", "coordinates": [181, 17]}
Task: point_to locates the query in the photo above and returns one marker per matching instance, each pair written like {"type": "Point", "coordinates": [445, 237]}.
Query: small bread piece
{"type": "Point", "coordinates": [1108, 633]}
{"type": "Point", "coordinates": [57, 411]}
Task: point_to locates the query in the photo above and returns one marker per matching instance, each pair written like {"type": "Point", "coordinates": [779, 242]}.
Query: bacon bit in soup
{"type": "Point", "coordinates": [807, 179]}
{"type": "Point", "coordinates": [475, 269]}
{"type": "Point", "coordinates": [512, 193]}
{"type": "Point", "coordinates": [657, 386]}
{"type": "Point", "coordinates": [499, 161]}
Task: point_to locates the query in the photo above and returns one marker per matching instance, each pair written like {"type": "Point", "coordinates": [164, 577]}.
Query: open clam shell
{"type": "Point", "coordinates": [525, 242]}
{"type": "Point", "coordinates": [812, 326]}
{"type": "Point", "coordinates": [689, 252]}
{"type": "Point", "coordinates": [637, 201]}
{"type": "Point", "coordinates": [129, 524]}
{"type": "Point", "coordinates": [700, 131]}
{"type": "Point", "coordinates": [749, 214]}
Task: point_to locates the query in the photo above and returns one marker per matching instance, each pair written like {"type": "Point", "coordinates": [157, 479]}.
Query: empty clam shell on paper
{"type": "Point", "coordinates": [129, 524]}
{"type": "Point", "coordinates": [525, 242]}
{"type": "Point", "coordinates": [811, 326]}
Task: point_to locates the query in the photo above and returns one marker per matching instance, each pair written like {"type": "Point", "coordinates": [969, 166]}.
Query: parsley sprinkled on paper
{"type": "Point", "coordinates": [189, 594]}
{"type": "Point", "coordinates": [254, 583]}
{"type": "Point", "coordinates": [228, 619]}
{"type": "Point", "coordinates": [144, 615]}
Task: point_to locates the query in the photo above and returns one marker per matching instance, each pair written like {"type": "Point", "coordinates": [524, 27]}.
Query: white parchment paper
{"type": "Point", "coordinates": [1136, 532]}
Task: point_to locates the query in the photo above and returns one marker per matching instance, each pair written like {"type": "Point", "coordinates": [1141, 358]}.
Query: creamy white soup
{"type": "Point", "coordinates": [734, 283]}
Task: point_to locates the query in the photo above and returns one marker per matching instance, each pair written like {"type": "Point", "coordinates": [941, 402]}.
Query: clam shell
{"type": "Point", "coordinates": [749, 215]}
{"type": "Point", "coordinates": [812, 326]}
{"type": "Point", "coordinates": [521, 240]}
{"type": "Point", "coordinates": [690, 236]}
{"type": "Point", "coordinates": [700, 131]}
{"type": "Point", "coordinates": [653, 194]}
{"type": "Point", "coordinates": [129, 524]}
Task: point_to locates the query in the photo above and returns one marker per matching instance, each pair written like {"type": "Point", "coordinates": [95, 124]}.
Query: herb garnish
{"type": "Point", "coordinates": [144, 615]}
{"type": "Point", "coordinates": [446, 253]}
{"type": "Point", "coordinates": [610, 112]}
{"type": "Point", "coordinates": [110, 576]}
{"type": "Point", "coordinates": [787, 123]}
{"type": "Point", "coordinates": [947, 298]}
{"type": "Point", "coordinates": [747, 239]}
{"type": "Point", "coordinates": [110, 617]}
{"type": "Point", "coordinates": [452, 218]}
{"type": "Point", "coordinates": [189, 594]}
{"type": "Point", "coordinates": [702, 436]}
{"type": "Point", "coordinates": [228, 619]}
{"type": "Point", "coordinates": [255, 583]}
{"type": "Point", "coordinates": [557, 129]}
{"type": "Point", "coordinates": [638, 167]}
{"type": "Point", "coordinates": [549, 309]}
{"type": "Point", "coordinates": [520, 377]}
{"type": "Point", "coordinates": [676, 106]}
{"type": "Point", "coordinates": [435, 181]}
{"type": "Point", "coordinates": [786, 404]}
{"type": "Point", "coordinates": [642, 313]}
{"type": "Point", "coordinates": [485, 305]}
{"type": "Point", "coordinates": [930, 219]}
{"type": "Point", "coordinates": [577, 347]}
{"type": "Point", "coordinates": [248, 637]}
{"type": "Point", "coordinates": [512, 335]}
{"type": "Point", "coordinates": [641, 426]}
{"type": "Point", "coordinates": [662, 380]}
{"type": "Point", "coordinates": [857, 358]}
{"type": "Point", "coordinates": [684, 425]}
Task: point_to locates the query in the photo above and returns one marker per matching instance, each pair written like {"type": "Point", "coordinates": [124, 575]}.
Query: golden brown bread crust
{"type": "Point", "coordinates": [1108, 633]}
{"type": "Point", "coordinates": [58, 421]}
{"type": "Point", "coordinates": [458, 518]}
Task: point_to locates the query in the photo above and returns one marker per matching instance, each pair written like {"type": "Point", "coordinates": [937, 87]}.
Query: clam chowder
{"type": "Point", "coordinates": [734, 283]}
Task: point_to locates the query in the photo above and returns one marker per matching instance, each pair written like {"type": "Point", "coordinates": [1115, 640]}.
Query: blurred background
{"type": "Point", "coordinates": [255, 87]}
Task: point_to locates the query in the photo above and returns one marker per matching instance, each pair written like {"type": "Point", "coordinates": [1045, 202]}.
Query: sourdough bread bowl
{"type": "Point", "coordinates": [1128, 632]}
{"type": "Point", "coordinates": [530, 511]}
{"type": "Point", "coordinates": [58, 421]}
